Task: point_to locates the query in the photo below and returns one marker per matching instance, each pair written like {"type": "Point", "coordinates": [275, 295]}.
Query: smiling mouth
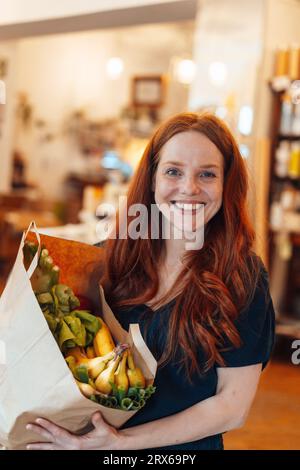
{"type": "Point", "coordinates": [188, 206]}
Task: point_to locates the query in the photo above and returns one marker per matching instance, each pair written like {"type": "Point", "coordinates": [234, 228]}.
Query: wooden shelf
{"type": "Point", "coordinates": [286, 179]}
{"type": "Point", "coordinates": [293, 233]}
{"type": "Point", "coordinates": [288, 137]}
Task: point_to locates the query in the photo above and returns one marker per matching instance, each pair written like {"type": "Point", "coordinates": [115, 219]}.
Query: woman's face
{"type": "Point", "coordinates": [188, 180]}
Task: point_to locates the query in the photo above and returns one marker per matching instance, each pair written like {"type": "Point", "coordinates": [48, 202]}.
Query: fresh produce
{"type": "Point", "coordinates": [105, 379]}
{"type": "Point", "coordinates": [104, 372]}
{"type": "Point", "coordinates": [46, 274]}
{"type": "Point", "coordinates": [70, 326]}
{"type": "Point", "coordinates": [90, 352]}
{"type": "Point", "coordinates": [121, 379]}
{"type": "Point", "coordinates": [135, 375]}
{"type": "Point", "coordinates": [112, 380]}
{"type": "Point", "coordinates": [103, 342]}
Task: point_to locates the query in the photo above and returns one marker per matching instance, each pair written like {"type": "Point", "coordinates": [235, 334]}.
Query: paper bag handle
{"type": "Point", "coordinates": [32, 228]}
{"type": "Point", "coordinates": [141, 346]}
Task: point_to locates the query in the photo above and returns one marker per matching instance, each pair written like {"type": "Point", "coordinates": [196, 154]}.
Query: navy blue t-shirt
{"type": "Point", "coordinates": [174, 392]}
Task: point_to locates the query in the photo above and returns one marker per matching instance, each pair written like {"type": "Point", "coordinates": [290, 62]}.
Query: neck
{"type": "Point", "coordinates": [176, 246]}
{"type": "Point", "coordinates": [174, 251]}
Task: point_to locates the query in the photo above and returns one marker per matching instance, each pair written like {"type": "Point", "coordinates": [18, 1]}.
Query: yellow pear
{"type": "Point", "coordinates": [121, 379]}
{"type": "Point", "coordinates": [107, 377]}
{"type": "Point", "coordinates": [135, 375]}
{"type": "Point", "coordinates": [103, 342]}
{"type": "Point", "coordinates": [90, 352]}
{"type": "Point", "coordinates": [98, 364]}
{"type": "Point", "coordinates": [86, 389]}
{"type": "Point", "coordinates": [78, 355]}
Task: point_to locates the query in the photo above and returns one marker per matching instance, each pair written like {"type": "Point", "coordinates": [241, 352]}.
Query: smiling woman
{"type": "Point", "coordinates": [206, 313]}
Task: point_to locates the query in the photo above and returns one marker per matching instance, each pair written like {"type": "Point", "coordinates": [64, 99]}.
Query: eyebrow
{"type": "Point", "coordinates": [208, 165]}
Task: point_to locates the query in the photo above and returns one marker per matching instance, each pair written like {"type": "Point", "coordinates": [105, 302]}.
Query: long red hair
{"type": "Point", "coordinates": [220, 278]}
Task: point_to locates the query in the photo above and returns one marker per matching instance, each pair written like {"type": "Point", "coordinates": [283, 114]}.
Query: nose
{"type": "Point", "coordinates": [190, 185]}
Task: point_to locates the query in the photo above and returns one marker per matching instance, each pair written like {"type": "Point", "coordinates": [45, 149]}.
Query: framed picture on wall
{"type": "Point", "coordinates": [148, 91]}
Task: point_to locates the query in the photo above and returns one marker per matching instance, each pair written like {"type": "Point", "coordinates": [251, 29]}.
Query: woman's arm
{"type": "Point", "coordinates": [226, 410]}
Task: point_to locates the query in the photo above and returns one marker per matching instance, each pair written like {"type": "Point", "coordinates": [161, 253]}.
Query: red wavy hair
{"type": "Point", "coordinates": [220, 279]}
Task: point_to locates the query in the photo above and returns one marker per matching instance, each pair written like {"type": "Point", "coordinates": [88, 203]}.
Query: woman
{"type": "Point", "coordinates": [206, 312]}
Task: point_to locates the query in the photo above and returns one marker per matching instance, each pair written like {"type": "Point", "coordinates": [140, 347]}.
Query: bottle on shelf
{"type": "Point", "coordinates": [287, 62]}
{"type": "Point", "coordinates": [276, 215]}
{"type": "Point", "coordinates": [282, 157]}
{"type": "Point", "coordinates": [287, 197]}
{"type": "Point", "coordinates": [296, 121]}
{"type": "Point", "coordinates": [293, 62]}
{"type": "Point", "coordinates": [286, 115]}
{"type": "Point", "coordinates": [294, 163]}
{"type": "Point", "coordinates": [281, 62]}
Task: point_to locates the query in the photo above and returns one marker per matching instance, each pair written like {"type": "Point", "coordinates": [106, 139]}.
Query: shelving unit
{"type": "Point", "coordinates": [285, 258]}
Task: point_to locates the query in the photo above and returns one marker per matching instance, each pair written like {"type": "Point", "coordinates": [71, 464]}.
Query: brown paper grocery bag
{"type": "Point", "coordinates": [35, 379]}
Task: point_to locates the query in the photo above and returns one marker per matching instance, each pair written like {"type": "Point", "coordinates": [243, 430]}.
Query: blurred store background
{"type": "Point", "coordinates": [84, 84]}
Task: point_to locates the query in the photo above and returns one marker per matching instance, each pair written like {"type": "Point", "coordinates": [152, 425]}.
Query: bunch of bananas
{"type": "Point", "coordinates": [107, 374]}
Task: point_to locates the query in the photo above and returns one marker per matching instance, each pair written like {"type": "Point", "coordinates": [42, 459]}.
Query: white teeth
{"type": "Point", "coordinates": [188, 207]}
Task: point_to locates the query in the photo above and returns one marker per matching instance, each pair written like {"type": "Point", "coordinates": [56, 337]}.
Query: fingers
{"type": "Point", "coordinates": [59, 438]}
{"type": "Point", "coordinates": [97, 420]}
{"type": "Point", "coordinates": [39, 430]}
{"type": "Point", "coordinates": [42, 446]}
{"type": "Point", "coordinates": [53, 429]}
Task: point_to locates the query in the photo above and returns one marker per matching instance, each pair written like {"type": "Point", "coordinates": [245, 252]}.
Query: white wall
{"type": "Point", "coordinates": [228, 31]}
{"type": "Point", "coordinates": [63, 73]}
{"type": "Point", "coordinates": [244, 35]}
{"type": "Point", "coordinates": [8, 52]}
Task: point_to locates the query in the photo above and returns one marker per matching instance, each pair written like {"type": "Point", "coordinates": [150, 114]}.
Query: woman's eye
{"type": "Point", "coordinates": [208, 174]}
{"type": "Point", "coordinates": [172, 172]}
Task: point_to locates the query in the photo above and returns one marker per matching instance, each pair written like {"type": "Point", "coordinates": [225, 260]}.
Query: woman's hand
{"type": "Point", "coordinates": [103, 436]}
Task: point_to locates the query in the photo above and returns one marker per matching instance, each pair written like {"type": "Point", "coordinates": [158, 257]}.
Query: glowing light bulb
{"type": "Point", "coordinates": [218, 73]}
{"type": "Point", "coordinates": [245, 120]}
{"type": "Point", "coordinates": [114, 67]}
{"type": "Point", "coordinates": [185, 71]}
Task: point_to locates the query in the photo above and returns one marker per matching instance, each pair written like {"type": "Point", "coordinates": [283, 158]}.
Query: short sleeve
{"type": "Point", "coordinates": [256, 327]}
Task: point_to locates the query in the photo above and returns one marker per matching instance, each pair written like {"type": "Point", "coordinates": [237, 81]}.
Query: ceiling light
{"type": "Point", "coordinates": [114, 67]}
{"type": "Point", "coordinates": [185, 71]}
{"type": "Point", "coordinates": [218, 73]}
